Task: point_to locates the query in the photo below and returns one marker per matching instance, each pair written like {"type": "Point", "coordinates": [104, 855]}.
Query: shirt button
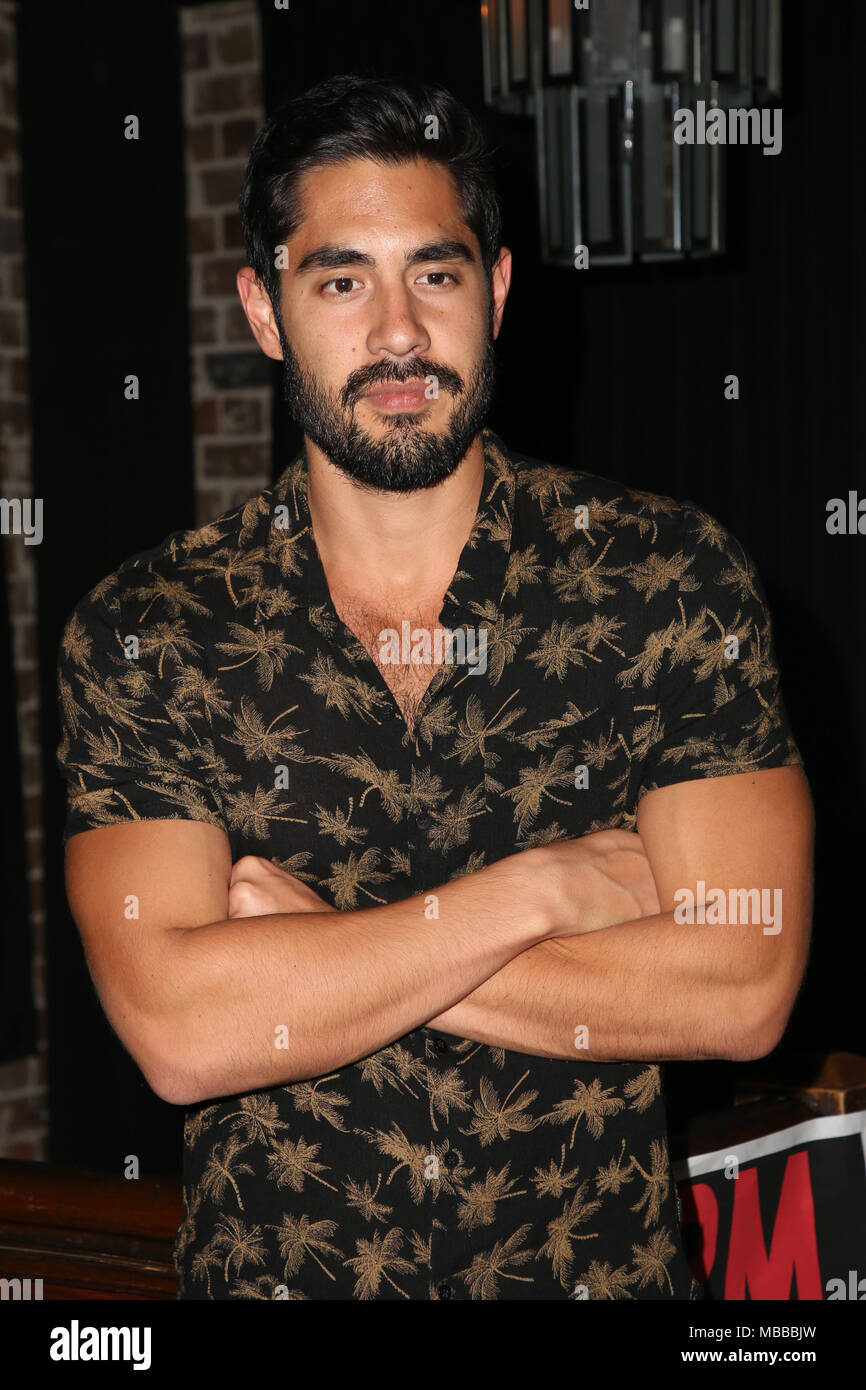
{"type": "Point", "coordinates": [451, 1159]}
{"type": "Point", "coordinates": [440, 1044]}
{"type": "Point", "coordinates": [424, 822]}
{"type": "Point", "coordinates": [443, 1290]}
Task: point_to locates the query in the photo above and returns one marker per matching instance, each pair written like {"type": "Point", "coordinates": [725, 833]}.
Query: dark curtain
{"type": "Point", "coordinates": [107, 291]}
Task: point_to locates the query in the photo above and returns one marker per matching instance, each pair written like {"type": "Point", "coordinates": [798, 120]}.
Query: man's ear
{"type": "Point", "coordinates": [259, 311]}
{"type": "Point", "coordinates": [500, 282]}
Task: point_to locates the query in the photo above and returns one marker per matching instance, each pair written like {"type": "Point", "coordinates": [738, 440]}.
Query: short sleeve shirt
{"type": "Point", "coordinates": [606, 642]}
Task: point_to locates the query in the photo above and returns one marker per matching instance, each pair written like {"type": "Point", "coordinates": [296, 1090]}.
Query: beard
{"type": "Point", "coordinates": [409, 457]}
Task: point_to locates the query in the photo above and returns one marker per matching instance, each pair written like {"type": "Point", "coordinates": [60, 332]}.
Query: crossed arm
{"type": "Point", "coordinates": [658, 989]}
{"type": "Point", "coordinates": [196, 997]}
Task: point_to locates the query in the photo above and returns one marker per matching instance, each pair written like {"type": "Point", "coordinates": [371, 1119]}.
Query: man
{"type": "Point", "coordinates": [379, 832]}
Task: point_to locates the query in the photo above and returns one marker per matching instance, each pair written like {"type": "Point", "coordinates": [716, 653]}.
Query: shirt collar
{"type": "Point", "coordinates": [481, 570]}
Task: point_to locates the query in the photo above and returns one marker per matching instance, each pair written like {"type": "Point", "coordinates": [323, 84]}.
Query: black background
{"type": "Point", "coordinates": [618, 371]}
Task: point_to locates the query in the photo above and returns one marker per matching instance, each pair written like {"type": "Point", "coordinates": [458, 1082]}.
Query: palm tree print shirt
{"type": "Point", "coordinates": [437, 1168]}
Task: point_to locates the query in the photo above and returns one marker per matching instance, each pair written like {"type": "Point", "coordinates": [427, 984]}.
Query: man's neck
{"type": "Point", "coordinates": [383, 546]}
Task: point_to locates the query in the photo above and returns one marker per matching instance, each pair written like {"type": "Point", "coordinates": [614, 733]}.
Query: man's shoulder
{"type": "Point", "coordinates": [185, 574]}
{"type": "Point", "coordinates": [564, 502]}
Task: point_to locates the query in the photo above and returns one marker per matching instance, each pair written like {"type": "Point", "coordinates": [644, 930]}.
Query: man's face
{"type": "Point", "coordinates": [388, 323]}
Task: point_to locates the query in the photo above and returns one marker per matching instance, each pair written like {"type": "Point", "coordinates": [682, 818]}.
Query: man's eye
{"type": "Point", "coordinates": [440, 273]}
{"type": "Point", "coordinates": [347, 281]}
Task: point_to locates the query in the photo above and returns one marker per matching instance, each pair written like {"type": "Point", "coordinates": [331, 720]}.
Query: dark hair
{"type": "Point", "coordinates": [354, 117]}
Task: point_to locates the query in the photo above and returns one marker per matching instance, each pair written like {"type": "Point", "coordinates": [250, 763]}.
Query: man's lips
{"type": "Point", "coordinates": [401, 396]}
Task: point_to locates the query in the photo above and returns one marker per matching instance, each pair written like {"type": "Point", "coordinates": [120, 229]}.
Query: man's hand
{"type": "Point", "coordinates": [257, 888]}
{"type": "Point", "coordinates": [597, 880]}
{"type": "Point", "coordinates": [656, 988]}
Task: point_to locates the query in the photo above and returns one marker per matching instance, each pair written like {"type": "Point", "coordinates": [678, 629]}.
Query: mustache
{"type": "Point", "coordinates": [384, 373]}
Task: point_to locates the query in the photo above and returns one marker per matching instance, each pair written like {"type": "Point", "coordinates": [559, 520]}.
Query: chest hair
{"type": "Point", "coordinates": [407, 681]}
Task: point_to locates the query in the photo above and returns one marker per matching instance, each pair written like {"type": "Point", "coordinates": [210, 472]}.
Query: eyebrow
{"type": "Point", "coordinates": [332, 257]}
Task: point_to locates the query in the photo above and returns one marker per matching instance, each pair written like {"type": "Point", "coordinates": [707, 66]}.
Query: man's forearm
{"type": "Point", "coordinates": [261, 1001]}
{"type": "Point", "coordinates": [648, 990]}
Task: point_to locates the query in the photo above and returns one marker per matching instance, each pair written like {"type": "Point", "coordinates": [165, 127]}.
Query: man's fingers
{"type": "Point", "coordinates": [243, 900]}
{"type": "Point", "coordinates": [251, 867]}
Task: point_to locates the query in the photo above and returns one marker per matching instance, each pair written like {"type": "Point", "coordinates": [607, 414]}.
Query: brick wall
{"type": "Point", "coordinates": [231, 385]}
{"type": "Point", "coordinates": [22, 1083]}
{"type": "Point", "coordinates": [231, 377]}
